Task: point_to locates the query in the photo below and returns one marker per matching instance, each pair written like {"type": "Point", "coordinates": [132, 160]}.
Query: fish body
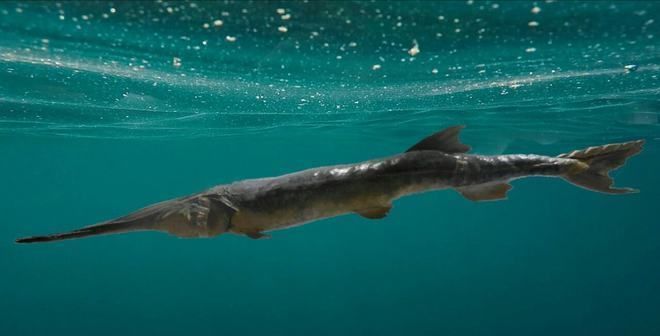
{"type": "Point", "coordinates": [370, 187]}
{"type": "Point", "coordinates": [440, 161]}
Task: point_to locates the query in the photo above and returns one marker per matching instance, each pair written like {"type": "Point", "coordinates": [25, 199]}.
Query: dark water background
{"type": "Point", "coordinates": [107, 107]}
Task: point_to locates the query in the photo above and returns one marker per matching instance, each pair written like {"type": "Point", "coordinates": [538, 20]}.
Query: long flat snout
{"type": "Point", "coordinates": [190, 217]}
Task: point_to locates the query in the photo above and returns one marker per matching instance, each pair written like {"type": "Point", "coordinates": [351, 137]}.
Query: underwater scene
{"type": "Point", "coordinates": [109, 107]}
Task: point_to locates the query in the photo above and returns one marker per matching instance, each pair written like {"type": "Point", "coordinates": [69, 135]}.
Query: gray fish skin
{"type": "Point", "coordinates": [252, 207]}
{"type": "Point", "coordinates": [294, 199]}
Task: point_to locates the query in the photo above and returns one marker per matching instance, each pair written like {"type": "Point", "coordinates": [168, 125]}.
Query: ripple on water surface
{"type": "Point", "coordinates": [176, 70]}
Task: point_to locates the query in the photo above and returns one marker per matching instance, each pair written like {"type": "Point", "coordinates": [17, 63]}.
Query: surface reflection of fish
{"type": "Point", "coordinates": [252, 207]}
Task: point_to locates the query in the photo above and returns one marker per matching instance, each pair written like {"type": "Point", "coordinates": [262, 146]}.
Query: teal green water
{"type": "Point", "coordinates": [108, 107]}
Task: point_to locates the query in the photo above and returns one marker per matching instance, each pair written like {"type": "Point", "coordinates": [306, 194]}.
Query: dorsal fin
{"type": "Point", "coordinates": [444, 141]}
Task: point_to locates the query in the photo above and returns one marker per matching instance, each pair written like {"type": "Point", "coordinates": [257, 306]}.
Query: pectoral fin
{"type": "Point", "coordinates": [374, 212]}
{"type": "Point", "coordinates": [485, 192]}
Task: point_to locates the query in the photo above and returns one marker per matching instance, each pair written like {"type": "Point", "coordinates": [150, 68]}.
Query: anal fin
{"type": "Point", "coordinates": [257, 235]}
{"type": "Point", "coordinates": [485, 192]}
{"type": "Point", "coordinates": [374, 212]}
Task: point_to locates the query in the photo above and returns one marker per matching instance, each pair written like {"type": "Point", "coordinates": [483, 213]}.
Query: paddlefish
{"type": "Point", "coordinates": [254, 207]}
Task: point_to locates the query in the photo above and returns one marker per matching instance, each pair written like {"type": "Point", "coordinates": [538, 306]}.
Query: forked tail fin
{"type": "Point", "coordinates": [598, 162]}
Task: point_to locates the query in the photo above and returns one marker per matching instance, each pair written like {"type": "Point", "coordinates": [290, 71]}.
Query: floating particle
{"type": "Point", "coordinates": [113, 10]}
{"type": "Point", "coordinates": [230, 38]}
{"type": "Point", "coordinates": [630, 68]}
{"type": "Point", "coordinates": [206, 25]}
{"type": "Point", "coordinates": [281, 11]}
{"type": "Point", "coordinates": [352, 44]}
{"type": "Point", "coordinates": [441, 17]}
{"type": "Point", "coordinates": [533, 24]}
{"type": "Point", "coordinates": [414, 50]}
{"type": "Point", "coordinates": [375, 67]}
{"type": "Point", "coordinates": [176, 62]}
{"type": "Point", "coordinates": [285, 17]}
{"type": "Point", "coordinates": [495, 6]}
{"type": "Point", "coordinates": [282, 29]}
{"type": "Point", "coordinates": [536, 10]}
{"type": "Point", "coordinates": [218, 23]}
{"type": "Point", "coordinates": [434, 71]}
{"type": "Point", "coordinates": [530, 50]}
